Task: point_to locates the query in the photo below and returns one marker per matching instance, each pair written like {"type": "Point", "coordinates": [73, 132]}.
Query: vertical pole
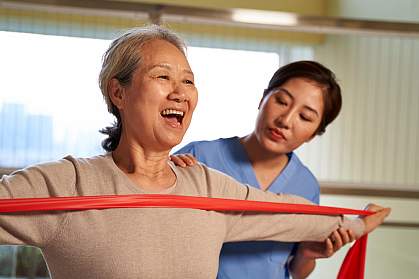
{"type": "Point", "coordinates": [14, 261]}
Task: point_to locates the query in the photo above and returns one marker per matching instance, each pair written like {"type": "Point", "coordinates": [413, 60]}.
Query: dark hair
{"type": "Point", "coordinates": [324, 78]}
{"type": "Point", "coordinates": [120, 61]}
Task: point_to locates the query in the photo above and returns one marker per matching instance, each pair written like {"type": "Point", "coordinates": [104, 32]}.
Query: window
{"type": "Point", "coordinates": [51, 105]}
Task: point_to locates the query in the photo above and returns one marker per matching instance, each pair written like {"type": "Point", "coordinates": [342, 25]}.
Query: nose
{"type": "Point", "coordinates": [178, 95]}
{"type": "Point", "coordinates": [285, 119]}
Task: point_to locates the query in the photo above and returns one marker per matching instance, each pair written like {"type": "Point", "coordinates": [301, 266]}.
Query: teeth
{"type": "Point", "coordinates": [172, 111]}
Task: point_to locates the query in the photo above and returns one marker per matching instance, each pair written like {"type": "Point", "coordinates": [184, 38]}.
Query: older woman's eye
{"type": "Point", "coordinates": [163, 77]}
{"type": "Point", "coordinates": [188, 81]}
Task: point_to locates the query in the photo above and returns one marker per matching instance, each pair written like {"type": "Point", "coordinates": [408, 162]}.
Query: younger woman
{"type": "Point", "coordinates": [302, 98]}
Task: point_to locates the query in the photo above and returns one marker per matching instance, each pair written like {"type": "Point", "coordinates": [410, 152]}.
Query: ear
{"type": "Point", "coordinates": [116, 93]}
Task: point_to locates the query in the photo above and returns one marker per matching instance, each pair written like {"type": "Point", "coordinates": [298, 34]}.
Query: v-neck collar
{"type": "Point", "coordinates": [247, 171]}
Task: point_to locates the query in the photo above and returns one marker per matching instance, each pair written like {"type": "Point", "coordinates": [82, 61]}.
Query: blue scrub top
{"type": "Point", "coordinates": [261, 259]}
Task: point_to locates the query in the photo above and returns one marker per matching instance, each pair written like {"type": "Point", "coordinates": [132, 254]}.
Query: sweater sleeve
{"type": "Point", "coordinates": [46, 180]}
{"type": "Point", "coordinates": [245, 226]}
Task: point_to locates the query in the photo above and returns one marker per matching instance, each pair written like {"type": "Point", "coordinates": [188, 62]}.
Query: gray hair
{"type": "Point", "coordinates": [124, 56]}
{"type": "Point", "coordinates": [120, 61]}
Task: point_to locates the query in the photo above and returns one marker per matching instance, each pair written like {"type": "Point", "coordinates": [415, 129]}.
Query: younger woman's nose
{"type": "Point", "coordinates": [285, 120]}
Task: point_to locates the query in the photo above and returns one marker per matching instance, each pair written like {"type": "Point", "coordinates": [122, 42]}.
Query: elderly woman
{"type": "Point", "coordinates": [149, 87]}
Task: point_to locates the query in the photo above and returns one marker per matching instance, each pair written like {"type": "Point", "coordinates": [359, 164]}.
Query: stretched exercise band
{"type": "Point", "coordinates": [353, 266]}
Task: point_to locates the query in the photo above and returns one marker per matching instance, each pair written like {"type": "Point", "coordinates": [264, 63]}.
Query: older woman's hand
{"type": "Point", "coordinates": [374, 220]}
{"type": "Point", "coordinates": [183, 160]}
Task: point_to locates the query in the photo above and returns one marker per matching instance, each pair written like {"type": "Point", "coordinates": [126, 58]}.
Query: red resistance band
{"type": "Point", "coordinates": [353, 266]}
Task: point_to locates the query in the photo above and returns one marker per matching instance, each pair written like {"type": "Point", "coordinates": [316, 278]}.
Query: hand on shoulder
{"type": "Point", "coordinates": [183, 160]}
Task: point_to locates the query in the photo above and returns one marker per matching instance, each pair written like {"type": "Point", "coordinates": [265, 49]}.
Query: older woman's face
{"type": "Point", "coordinates": [157, 106]}
{"type": "Point", "coordinates": [289, 115]}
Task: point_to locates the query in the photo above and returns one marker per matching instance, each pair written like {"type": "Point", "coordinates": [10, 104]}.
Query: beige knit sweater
{"type": "Point", "coordinates": [143, 243]}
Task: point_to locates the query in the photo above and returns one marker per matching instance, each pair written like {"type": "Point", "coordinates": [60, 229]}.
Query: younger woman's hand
{"type": "Point", "coordinates": [183, 160]}
{"type": "Point", "coordinates": [326, 249]}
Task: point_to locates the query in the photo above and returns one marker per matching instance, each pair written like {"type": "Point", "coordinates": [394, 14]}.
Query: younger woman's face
{"type": "Point", "coordinates": [289, 115]}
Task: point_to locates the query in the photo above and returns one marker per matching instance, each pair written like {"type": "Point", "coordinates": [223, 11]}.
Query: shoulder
{"type": "Point", "coordinates": [205, 181]}
{"type": "Point", "coordinates": [302, 171]}
{"type": "Point", "coordinates": [66, 165]}
{"type": "Point", "coordinates": [63, 168]}
{"type": "Point", "coordinates": [56, 178]}
{"type": "Point", "coordinates": [304, 177]}
{"type": "Point", "coordinates": [40, 180]}
{"type": "Point", "coordinates": [91, 163]}
{"type": "Point", "coordinates": [199, 174]}
{"type": "Point", "coordinates": [97, 172]}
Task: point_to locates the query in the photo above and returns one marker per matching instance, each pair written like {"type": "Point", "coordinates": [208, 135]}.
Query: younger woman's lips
{"type": "Point", "coordinates": [276, 135]}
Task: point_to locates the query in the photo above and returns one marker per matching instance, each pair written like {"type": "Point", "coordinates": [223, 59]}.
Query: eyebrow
{"type": "Point", "coordinates": [168, 67]}
{"type": "Point", "coordinates": [292, 97]}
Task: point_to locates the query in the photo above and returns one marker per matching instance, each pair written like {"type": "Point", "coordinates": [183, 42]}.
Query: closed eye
{"type": "Point", "coordinates": [281, 102]}
{"type": "Point", "coordinates": [305, 118]}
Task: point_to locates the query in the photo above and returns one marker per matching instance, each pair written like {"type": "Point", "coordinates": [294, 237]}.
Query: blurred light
{"type": "Point", "coordinates": [264, 17]}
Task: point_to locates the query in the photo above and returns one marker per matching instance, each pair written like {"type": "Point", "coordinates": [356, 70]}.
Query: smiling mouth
{"type": "Point", "coordinates": [173, 116]}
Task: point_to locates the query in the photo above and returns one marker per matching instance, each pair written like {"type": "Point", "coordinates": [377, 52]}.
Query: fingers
{"type": "Point", "coordinates": [337, 240]}
{"type": "Point", "coordinates": [178, 161]}
{"type": "Point", "coordinates": [347, 236]}
{"type": "Point", "coordinates": [329, 249]}
{"type": "Point", "coordinates": [326, 249]}
{"type": "Point", "coordinates": [183, 160]}
{"type": "Point", "coordinates": [373, 221]}
{"type": "Point", "coordinates": [192, 159]}
{"type": "Point", "coordinates": [373, 207]}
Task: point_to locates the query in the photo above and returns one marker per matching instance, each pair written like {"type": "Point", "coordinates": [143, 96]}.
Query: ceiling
{"type": "Point", "coordinates": [390, 17]}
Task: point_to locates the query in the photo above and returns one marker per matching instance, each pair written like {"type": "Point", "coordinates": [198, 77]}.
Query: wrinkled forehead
{"type": "Point", "coordinates": [155, 52]}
